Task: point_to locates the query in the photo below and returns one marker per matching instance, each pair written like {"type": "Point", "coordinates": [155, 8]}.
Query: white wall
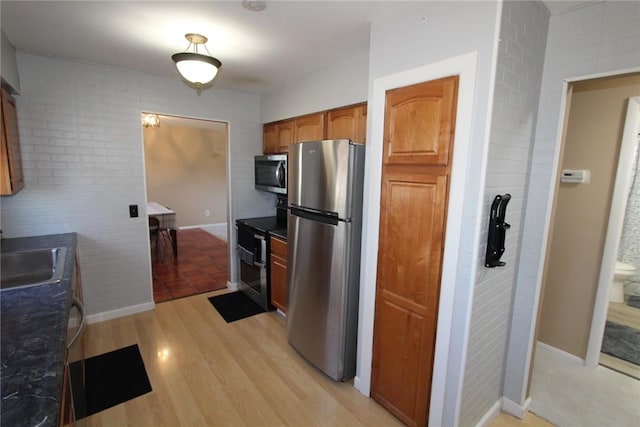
{"type": "Point", "coordinates": [523, 33]}
{"type": "Point", "coordinates": [598, 39]}
{"type": "Point", "coordinates": [83, 159]}
{"type": "Point", "coordinates": [338, 84]}
{"type": "Point", "coordinates": [425, 33]}
{"type": "Point", "coordinates": [9, 65]}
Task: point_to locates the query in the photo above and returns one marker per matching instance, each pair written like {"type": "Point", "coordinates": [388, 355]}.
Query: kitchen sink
{"type": "Point", "coordinates": [32, 267]}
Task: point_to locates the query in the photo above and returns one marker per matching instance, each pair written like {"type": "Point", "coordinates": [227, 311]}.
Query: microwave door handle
{"type": "Point", "coordinates": [280, 174]}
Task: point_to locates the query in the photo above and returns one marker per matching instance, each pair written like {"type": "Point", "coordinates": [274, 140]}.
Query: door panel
{"type": "Point", "coordinates": [309, 128]}
{"type": "Point", "coordinates": [285, 136]}
{"type": "Point", "coordinates": [348, 122]}
{"type": "Point", "coordinates": [419, 124]}
{"type": "Point", "coordinates": [409, 269]}
{"type": "Point", "coordinates": [329, 182]}
{"type": "Point", "coordinates": [412, 224]}
{"type": "Point", "coordinates": [317, 278]}
{"type": "Point", "coordinates": [398, 364]}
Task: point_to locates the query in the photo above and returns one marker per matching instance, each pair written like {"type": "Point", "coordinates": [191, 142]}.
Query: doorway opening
{"type": "Point", "coordinates": [186, 168]}
{"type": "Point", "coordinates": [585, 238]}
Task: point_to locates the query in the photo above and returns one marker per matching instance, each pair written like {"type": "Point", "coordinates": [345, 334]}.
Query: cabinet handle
{"type": "Point", "coordinates": [76, 303]}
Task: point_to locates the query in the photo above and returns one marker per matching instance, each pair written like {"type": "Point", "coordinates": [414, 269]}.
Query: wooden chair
{"type": "Point", "coordinates": [154, 234]}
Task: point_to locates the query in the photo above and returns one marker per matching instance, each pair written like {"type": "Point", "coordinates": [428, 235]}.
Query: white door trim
{"type": "Point", "coordinates": [448, 366]}
{"type": "Point", "coordinates": [614, 230]}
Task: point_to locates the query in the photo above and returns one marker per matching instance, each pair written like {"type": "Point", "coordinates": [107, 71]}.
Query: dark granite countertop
{"type": "Point", "coordinates": [33, 340]}
{"type": "Point", "coordinates": [280, 233]}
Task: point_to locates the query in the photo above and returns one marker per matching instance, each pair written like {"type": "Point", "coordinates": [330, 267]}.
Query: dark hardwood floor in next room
{"type": "Point", "coordinates": [201, 266]}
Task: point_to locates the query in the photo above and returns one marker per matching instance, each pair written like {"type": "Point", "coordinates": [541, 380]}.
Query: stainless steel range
{"type": "Point", "coordinates": [253, 255]}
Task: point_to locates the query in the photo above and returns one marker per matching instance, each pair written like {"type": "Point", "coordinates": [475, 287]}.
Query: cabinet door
{"type": "Point", "coordinates": [285, 135]}
{"type": "Point", "coordinates": [419, 123]}
{"type": "Point", "coordinates": [11, 159]}
{"type": "Point", "coordinates": [349, 122]}
{"type": "Point", "coordinates": [270, 138]}
{"type": "Point", "coordinates": [279, 274]}
{"type": "Point", "coordinates": [309, 128]}
{"type": "Point", "coordinates": [413, 211]}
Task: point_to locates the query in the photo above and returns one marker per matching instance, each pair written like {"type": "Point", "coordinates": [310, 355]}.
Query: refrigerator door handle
{"type": "Point", "coordinates": [315, 215]}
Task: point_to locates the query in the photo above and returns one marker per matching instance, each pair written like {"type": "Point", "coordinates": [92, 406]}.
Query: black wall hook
{"type": "Point", "coordinates": [497, 231]}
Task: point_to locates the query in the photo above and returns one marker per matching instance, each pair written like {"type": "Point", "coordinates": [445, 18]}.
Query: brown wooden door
{"type": "Point", "coordinates": [12, 175]}
{"type": "Point", "coordinates": [309, 127]}
{"type": "Point", "coordinates": [348, 122]}
{"type": "Point", "coordinates": [270, 138]}
{"type": "Point", "coordinates": [418, 142]}
{"type": "Point", "coordinates": [285, 135]}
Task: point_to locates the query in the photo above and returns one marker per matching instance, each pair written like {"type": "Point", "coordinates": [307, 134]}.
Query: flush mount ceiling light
{"type": "Point", "coordinates": [254, 5]}
{"type": "Point", "coordinates": [150, 120]}
{"type": "Point", "coordinates": [196, 68]}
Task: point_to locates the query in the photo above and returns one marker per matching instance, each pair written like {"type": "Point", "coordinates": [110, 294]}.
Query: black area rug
{"type": "Point", "coordinates": [235, 306]}
{"type": "Point", "coordinates": [113, 378]}
{"type": "Point", "coordinates": [622, 342]}
{"type": "Point", "coordinates": [634, 301]}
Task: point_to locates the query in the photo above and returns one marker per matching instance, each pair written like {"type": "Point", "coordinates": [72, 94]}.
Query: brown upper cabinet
{"type": "Point", "coordinates": [348, 122]}
{"type": "Point", "coordinates": [11, 179]}
{"type": "Point", "coordinates": [345, 122]}
{"type": "Point", "coordinates": [420, 124]}
{"type": "Point", "coordinates": [309, 128]}
{"type": "Point", "coordinates": [278, 136]}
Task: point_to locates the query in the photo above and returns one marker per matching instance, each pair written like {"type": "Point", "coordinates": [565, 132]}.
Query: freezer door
{"type": "Point", "coordinates": [323, 294]}
{"type": "Point", "coordinates": [327, 176]}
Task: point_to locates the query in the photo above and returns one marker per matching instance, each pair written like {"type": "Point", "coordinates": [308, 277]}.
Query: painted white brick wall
{"type": "Point", "coordinates": [523, 31]}
{"type": "Point", "coordinates": [599, 38]}
{"type": "Point", "coordinates": [341, 83]}
{"type": "Point", "coordinates": [83, 162]}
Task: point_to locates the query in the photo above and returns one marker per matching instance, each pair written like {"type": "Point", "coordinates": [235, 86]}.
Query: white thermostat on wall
{"type": "Point", "coordinates": [576, 176]}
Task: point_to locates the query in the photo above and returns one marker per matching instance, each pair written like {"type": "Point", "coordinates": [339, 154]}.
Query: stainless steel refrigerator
{"type": "Point", "coordinates": [324, 231]}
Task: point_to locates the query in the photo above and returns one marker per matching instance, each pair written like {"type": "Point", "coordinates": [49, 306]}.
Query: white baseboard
{"type": "Point", "coordinates": [514, 408]}
{"type": "Point", "coordinates": [357, 384]}
{"type": "Point", "coordinates": [121, 312]}
{"type": "Point", "coordinates": [218, 226]}
{"type": "Point", "coordinates": [233, 286]}
{"type": "Point", "coordinates": [493, 412]}
{"type": "Point", "coordinates": [281, 313]}
{"type": "Point", "coordinates": [571, 358]}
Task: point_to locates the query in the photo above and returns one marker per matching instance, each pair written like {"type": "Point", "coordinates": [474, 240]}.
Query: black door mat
{"type": "Point", "coordinates": [113, 378]}
{"type": "Point", "coordinates": [622, 342]}
{"type": "Point", "coordinates": [235, 306]}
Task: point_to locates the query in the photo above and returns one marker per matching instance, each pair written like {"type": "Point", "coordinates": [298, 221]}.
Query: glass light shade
{"type": "Point", "coordinates": [196, 68]}
{"type": "Point", "coordinates": [150, 120]}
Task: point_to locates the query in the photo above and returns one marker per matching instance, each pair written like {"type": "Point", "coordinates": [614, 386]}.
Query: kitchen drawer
{"type": "Point", "coordinates": [279, 247]}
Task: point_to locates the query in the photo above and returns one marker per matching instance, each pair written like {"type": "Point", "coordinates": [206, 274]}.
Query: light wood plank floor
{"type": "Point", "coordinates": [529, 420]}
{"type": "Point", "coordinates": [206, 372]}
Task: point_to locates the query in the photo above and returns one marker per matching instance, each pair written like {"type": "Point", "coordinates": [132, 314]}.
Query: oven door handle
{"type": "Point", "coordinates": [77, 304]}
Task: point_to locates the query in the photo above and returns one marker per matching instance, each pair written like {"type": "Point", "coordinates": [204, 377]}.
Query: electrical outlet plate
{"type": "Point", "coordinates": [133, 211]}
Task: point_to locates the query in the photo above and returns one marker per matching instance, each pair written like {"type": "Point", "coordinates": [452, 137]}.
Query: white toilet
{"type": "Point", "coordinates": [623, 273]}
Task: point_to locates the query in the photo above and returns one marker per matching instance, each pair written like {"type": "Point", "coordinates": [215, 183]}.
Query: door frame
{"type": "Point", "coordinates": [230, 245]}
{"type": "Point", "coordinates": [459, 266]}
{"type": "Point", "coordinates": [614, 231]}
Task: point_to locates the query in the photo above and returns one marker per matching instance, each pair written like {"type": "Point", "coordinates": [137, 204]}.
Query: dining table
{"type": "Point", "coordinates": [168, 223]}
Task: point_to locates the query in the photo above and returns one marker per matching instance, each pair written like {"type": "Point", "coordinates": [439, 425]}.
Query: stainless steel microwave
{"type": "Point", "coordinates": [271, 173]}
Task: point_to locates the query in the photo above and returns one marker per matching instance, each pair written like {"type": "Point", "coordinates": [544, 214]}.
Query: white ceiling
{"type": "Point", "coordinates": [258, 50]}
